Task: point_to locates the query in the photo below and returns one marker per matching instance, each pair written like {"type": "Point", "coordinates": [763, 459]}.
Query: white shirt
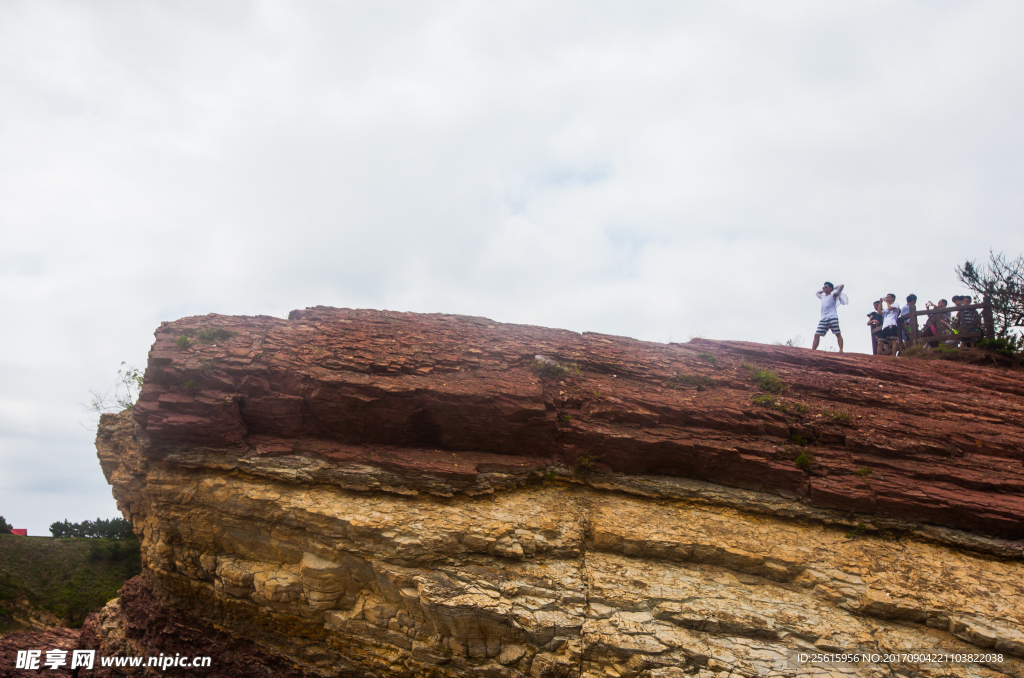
{"type": "Point", "coordinates": [890, 316]}
{"type": "Point", "coordinates": [828, 306]}
{"type": "Point", "coordinates": [828, 302]}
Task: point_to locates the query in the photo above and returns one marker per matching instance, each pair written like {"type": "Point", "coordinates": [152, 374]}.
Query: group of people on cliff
{"type": "Point", "coordinates": [885, 323]}
{"type": "Point", "coordinates": [966, 321]}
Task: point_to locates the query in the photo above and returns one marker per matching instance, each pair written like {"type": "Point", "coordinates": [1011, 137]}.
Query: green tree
{"type": "Point", "coordinates": [114, 528]}
{"type": "Point", "coordinates": [1002, 281]}
{"type": "Point", "coordinates": [123, 393]}
{"type": "Point", "coordinates": [5, 527]}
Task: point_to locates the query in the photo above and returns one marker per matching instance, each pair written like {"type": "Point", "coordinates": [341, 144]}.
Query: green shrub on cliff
{"type": "Point", "coordinates": [999, 345]}
{"type": "Point", "coordinates": [765, 400]}
{"type": "Point", "coordinates": [215, 335]}
{"type": "Point", "coordinates": [123, 394]}
{"type": "Point", "coordinates": [584, 463]}
{"type": "Point", "coordinates": [857, 531]}
{"type": "Point", "coordinates": [768, 381]}
{"type": "Point", "coordinates": [765, 379]}
{"type": "Point", "coordinates": [552, 369]}
{"type": "Point", "coordinates": [836, 416]}
{"type": "Point", "coordinates": [5, 527]}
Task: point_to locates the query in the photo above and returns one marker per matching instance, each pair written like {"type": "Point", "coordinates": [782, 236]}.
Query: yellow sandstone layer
{"type": "Point", "coordinates": [564, 577]}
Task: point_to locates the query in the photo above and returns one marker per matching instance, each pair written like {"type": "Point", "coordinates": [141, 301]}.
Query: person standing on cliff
{"type": "Point", "coordinates": [830, 296]}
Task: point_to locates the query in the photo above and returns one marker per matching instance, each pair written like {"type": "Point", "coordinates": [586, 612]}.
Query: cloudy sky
{"type": "Point", "coordinates": [651, 169]}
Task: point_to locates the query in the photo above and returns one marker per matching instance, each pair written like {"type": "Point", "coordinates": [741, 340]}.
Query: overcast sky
{"type": "Point", "coordinates": [650, 169]}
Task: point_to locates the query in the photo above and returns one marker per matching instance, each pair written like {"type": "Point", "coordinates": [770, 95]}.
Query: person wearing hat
{"type": "Point", "coordinates": [830, 296]}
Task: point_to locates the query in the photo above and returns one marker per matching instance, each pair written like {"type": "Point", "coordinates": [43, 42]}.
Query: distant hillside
{"type": "Point", "coordinates": [66, 578]}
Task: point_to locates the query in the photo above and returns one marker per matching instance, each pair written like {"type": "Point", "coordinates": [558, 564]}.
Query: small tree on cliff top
{"type": "Point", "coordinates": [121, 395]}
{"type": "Point", "coordinates": [1002, 280]}
{"type": "Point", "coordinates": [5, 527]}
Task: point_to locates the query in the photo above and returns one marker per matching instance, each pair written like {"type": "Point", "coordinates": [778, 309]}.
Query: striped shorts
{"type": "Point", "coordinates": [827, 324]}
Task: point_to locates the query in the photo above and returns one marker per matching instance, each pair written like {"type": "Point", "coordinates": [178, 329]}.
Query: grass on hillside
{"type": "Point", "coordinates": [988, 352]}
{"type": "Point", "coordinates": [68, 577]}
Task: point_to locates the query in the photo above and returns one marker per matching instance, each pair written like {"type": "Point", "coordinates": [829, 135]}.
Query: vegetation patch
{"type": "Point", "coordinates": [864, 471]}
{"type": "Point", "coordinates": [548, 368]}
{"type": "Point", "coordinates": [555, 370]}
{"type": "Point", "coordinates": [857, 531]}
{"type": "Point", "coordinates": [998, 352]}
{"type": "Point", "coordinates": [183, 341]}
{"type": "Point", "coordinates": [67, 577]}
{"type": "Point", "coordinates": [213, 336]}
{"type": "Point", "coordinates": [765, 379]}
{"type": "Point", "coordinates": [800, 407]}
{"type": "Point", "coordinates": [584, 463]}
{"type": "Point", "coordinates": [565, 419]}
{"type": "Point", "coordinates": [192, 387]}
{"type": "Point", "coordinates": [803, 460]}
{"type": "Point", "coordinates": [122, 396]}
{"type": "Point", "coordinates": [114, 529]}
{"type": "Point", "coordinates": [800, 440]}
{"type": "Point", "coordinates": [771, 402]}
{"type": "Point", "coordinates": [1000, 345]}
{"type": "Point", "coordinates": [836, 416]}
{"type": "Point", "coordinates": [709, 358]}
{"type": "Point", "coordinates": [921, 351]}
{"type": "Point", "coordinates": [697, 381]}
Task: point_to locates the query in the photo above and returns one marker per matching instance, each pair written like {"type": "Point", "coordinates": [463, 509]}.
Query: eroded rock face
{"type": "Point", "coordinates": [41, 640]}
{"type": "Point", "coordinates": [370, 493]}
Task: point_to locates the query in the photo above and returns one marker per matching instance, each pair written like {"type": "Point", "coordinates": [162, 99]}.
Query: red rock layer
{"type": "Point", "coordinates": [49, 639]}
{"type": "Point", "coordinates": [148, 628]}
{"type": "Point", "coordinates": [455, 397]}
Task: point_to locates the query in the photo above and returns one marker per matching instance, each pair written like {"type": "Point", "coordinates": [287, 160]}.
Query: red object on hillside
{"type": "Point", "coordinates": [20, 533]}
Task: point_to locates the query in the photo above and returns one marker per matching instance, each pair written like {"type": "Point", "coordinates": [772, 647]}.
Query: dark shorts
{"type": "Point", "coordinates": [888, 332]}
{"type": "Point", "coordinates": [827, 324]}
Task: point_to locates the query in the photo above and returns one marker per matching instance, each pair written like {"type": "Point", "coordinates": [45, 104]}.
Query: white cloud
{"type": "Point", "coordinates": [653, 170]}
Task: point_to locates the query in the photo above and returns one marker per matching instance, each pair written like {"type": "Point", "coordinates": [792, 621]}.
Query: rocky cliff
{"type": "Point", "coordinates": [365, 493]}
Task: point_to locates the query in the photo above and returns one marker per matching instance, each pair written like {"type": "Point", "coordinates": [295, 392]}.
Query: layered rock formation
{"type": "Point", "coordinates": [369, 493]}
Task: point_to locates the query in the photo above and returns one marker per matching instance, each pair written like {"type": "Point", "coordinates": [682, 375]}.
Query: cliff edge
{"type": "Point", "coordinates": [365, 493]}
